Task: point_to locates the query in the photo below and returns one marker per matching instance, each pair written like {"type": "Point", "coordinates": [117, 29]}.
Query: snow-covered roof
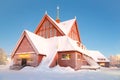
{"type": "Point", "coordinates": [51, 46]}
{"type": "Point", "coordinates": [65, 26]}
{"type": "Point", "coordinates": [97, 56]}
{"type": "Point", "coordinates": [38, 42]}
{"type": "Point", "coordinates": [62, 43]}
{"type": "Point", "coordinates": [67, 44]}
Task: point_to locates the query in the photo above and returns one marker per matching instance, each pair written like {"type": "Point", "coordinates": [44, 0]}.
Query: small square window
{"type": "Point", "coordinates": [30, 59]}
{"type": "Point", "coordinates": [66, 57]}
{"type": "Point", "coordinates": [18, 59]}
{"type": "Point", "coordinates": [78, 56]}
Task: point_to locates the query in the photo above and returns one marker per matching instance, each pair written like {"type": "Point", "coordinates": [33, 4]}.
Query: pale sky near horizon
{"type": "Point", "coordinates": [98, 21]}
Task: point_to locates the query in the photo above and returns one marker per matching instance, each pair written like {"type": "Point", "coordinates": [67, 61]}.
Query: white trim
{"type": "Point", "coordinates": [31, 42]}
{"type": "Point", "coordinates": [65, 59]}
{"type": "Point", "coordinates": [24, 52]}
{"type": "Point", "coordinates": [18, 43]}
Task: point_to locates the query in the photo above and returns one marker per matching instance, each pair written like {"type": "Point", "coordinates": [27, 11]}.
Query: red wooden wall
{"type": "Point", "coordinates": [24, 46]}
{"type": "Point", "coordinates": [48, 30]}
{"type": "Point", "coordinates": [74, 33]}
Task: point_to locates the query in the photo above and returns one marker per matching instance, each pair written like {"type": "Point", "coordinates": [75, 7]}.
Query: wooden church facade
{"type": "Point", "coordinates": [33, 48]}
{"type": "Point", "coordinates": [75, 59]}
{"type": "Point", "coordinates": [25, 54]}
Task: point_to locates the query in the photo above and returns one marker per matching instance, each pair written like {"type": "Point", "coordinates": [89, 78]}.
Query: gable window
{"type": "Point", "coordinates": [50, 32]}
{"type": "Point", "coordinates": [47, 30]}
{"type": "Point", "coordinates": [65, 56]}
{"type": "Point", "coordinates": [55, 32]}
{"type": "Point", "coordinates": [78, 56]}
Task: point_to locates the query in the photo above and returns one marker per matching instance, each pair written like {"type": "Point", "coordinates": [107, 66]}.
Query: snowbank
{"type": "Point", "coordinates": [60, 73]}
{"type": "Point", "coordinates": [56, 69]}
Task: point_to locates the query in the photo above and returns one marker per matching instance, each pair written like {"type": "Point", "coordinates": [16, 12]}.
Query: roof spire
{"type": "Point", "coordinates": [57, 17]}
{"type": "Point", "coordinates": [75, 17]}
{"type": "Point", "coordinates": [57, 12]}
{"type": "Point", "coordinates": [45, 12]}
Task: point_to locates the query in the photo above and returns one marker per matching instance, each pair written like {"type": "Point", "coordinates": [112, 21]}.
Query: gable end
{"type": "Point", "coordinates": [74, 32]}
{"type": "Point", "coordinates": [48, 28]}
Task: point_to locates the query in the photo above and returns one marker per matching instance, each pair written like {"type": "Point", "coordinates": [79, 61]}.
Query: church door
{"type": "Point", "coordinates": [24, 62]}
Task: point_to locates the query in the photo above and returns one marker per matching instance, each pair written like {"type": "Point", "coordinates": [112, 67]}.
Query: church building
{"type": "Point", "coordinates": [53, 43]}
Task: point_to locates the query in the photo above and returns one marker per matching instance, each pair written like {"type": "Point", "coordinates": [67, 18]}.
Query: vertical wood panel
{"type": "Point", "coordinates": [48, 30]}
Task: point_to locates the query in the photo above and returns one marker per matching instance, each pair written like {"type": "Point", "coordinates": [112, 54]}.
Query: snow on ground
{"type": "Point", "coordinates": [58, 73]}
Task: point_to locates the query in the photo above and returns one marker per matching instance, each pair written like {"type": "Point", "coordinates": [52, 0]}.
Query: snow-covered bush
{"type": "Point", "coordinates": [3, 57]}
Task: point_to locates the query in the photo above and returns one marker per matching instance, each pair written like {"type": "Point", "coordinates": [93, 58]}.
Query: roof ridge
{"type": "Point", "coordinates": [67, 20]}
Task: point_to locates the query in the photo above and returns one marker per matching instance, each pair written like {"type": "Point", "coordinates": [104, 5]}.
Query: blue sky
{"type": "Point", "coordinates": [98, 21]}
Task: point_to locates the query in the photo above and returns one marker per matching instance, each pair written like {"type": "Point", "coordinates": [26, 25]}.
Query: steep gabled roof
{"type": "Point", "coordinates": [50, 46]}
{"type": "Point", "coordinates": [35, 40]}
{"type": "Point", "coordinates": [66, 25]}
{"type": "Point", "coordinates": [46, 16]}
{"type": "Point", "coordinates": [39, 43]}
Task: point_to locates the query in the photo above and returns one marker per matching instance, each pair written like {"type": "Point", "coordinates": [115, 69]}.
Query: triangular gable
{"type": "Point", "coordinates": [25, 44]}
{"type": "Point", "coordinates": [74, 32]}
{"type": "Point", "coordinates": [66, 25]}
{"type": "Point", "coordinates": [54, 23]}
{"type": "Point", "coordinates": [23, 39]}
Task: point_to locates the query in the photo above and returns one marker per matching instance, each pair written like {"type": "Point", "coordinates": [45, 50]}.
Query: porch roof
{"type": "Point", "coordinates": [97, 56]}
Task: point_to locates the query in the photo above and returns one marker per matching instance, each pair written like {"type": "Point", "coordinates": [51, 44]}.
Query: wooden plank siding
{"type": "Point", "coordinates": [74, 62]}
{"type": "Point", "coordinates": [24, 46]}
{"type": "Point", "coordinates": [74, 33]}
{"type": "Point", "coordinates": [48, 30]}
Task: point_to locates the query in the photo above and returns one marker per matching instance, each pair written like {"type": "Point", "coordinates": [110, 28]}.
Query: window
{"type": "Point", "coordinates": [102, 64]}
{"type": "Point", "coordinates": [47, 30]}
{"type": "Point", "coordinates": [30, 59]}
{"type": "Point", "coordinates": [41, 33]}
{"type": "Point", "coordinates": [50, 32]}
{"type": "Point", "coordinates": [66, 57]}
{"type": "Point", "coordinates": [55, 32]}
{"type": "Point", "coordinates": [18, 59]}
{"type": "Point", "coordinates": [78, 56]}
{"type": "Point", "coordinates": [47, 33]}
